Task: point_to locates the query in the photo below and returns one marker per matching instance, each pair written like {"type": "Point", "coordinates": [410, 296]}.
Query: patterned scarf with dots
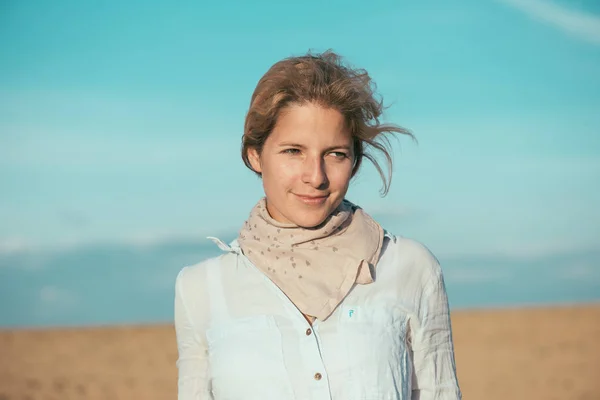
{"type": "Point", "coordinates": [317, 267]}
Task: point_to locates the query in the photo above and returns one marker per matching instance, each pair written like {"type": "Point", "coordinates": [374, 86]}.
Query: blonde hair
{"type": "Point", "coordinates": [323, 79]}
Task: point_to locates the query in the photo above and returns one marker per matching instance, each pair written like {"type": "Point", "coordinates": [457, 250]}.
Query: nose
{"type": "Point", "coordinates": [314, 172]}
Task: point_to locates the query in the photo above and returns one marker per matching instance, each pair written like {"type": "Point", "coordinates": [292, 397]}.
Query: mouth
{"type": "Point", "coordinates": [312, 200]}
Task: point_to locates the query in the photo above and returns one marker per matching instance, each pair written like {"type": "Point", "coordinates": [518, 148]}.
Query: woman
{"type": "Point", "coordinates": [314, 300]}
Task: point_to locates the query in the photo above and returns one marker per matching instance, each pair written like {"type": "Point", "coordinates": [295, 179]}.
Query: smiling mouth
{"type": "Point", "coordinates": [312, 200]}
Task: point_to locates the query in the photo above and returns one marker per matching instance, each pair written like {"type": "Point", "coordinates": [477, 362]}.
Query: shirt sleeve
{"type": "Point", "coordinates": [192, 363]}
{"type": "Point", "coordinates": [434, 369]}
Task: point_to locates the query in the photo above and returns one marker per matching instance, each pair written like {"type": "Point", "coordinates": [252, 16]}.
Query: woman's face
{"type": "Point", "coordinates": [306, 164]}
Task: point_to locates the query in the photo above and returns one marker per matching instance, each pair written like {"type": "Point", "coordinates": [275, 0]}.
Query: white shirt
{"type": "Point", "coordinates": [240, 337]}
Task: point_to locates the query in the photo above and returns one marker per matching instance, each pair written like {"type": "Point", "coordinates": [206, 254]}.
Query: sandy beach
{"type": "Point", "coordinates": [538, 353]}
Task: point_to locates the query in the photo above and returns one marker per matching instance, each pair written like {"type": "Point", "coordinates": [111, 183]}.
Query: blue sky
{"type": "Point", "coordinates": [120, 126]}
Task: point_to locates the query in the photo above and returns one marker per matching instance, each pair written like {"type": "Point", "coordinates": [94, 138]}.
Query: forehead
{"type": "Point", "coordinates": [311, 123]}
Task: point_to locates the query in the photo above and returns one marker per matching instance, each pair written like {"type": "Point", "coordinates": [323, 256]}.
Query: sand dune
{"type": "Point", "coordinates": [545, 353]}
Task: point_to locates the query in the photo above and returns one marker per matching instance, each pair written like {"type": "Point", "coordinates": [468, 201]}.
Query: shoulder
{"type": "Point", "coordinates": [410, 249]}
{"type": "Point", "coordinates": [411, 258]}
{"type": "Point", "coordinates": [194, 276]}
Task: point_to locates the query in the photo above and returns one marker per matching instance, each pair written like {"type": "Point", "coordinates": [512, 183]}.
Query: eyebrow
{"type": "Point", "coordinates": [288, 144]}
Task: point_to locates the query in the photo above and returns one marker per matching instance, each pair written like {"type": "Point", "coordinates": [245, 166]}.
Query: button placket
{"type": "Point", "coordinates": [320, 382]}
{"type": "Point", "coordinates": [313, 356]}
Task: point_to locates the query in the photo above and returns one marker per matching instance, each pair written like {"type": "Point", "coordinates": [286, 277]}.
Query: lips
{"type": "Point", "coordinates": [311, 197]}
{"type": "Point", "coordinates": [312, 200]}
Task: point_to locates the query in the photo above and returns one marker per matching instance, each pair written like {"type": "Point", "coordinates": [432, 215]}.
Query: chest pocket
{"type": "Point", "coordinates": [371, 331]}
{"type": "Point", "coordinates": [246, 360]}
{"type": "Point", "coordinates": [374, 338]}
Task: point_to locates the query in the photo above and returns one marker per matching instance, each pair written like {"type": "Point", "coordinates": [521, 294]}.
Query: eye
{"type": "Point", "coordinates": [291, 151]}
{"type": "Point", "coordinates": [339, 154]}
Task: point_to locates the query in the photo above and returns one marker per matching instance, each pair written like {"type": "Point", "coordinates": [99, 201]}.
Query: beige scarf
{"type": "Point", "coordinates": [317, 267]}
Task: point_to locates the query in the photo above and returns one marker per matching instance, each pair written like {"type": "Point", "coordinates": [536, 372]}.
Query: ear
{"type": "Point", "coordinates": [254, 159]}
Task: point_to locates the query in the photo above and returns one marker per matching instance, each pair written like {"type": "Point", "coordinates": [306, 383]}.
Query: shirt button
{"type": "Point", "coordinates": [318, 376]}
{"type": "Point", "coordinates": [308, 332]}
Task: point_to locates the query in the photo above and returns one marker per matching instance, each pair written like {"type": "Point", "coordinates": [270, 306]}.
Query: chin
{"type": "Point", "coordinates": [310, 220]}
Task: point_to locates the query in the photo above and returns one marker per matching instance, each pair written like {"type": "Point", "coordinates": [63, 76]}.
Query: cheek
{"type": "Point", "coordinates": [283, 174]}
{"type": "Point", "coordinates": [340, 177]}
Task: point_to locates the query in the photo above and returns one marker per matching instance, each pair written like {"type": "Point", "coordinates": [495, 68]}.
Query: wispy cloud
{"type": "Point", "coordinates": [10, 245]}
{"type": "Point", "coordinates": [148, 240]}
{"type": "Point", "coordinates": [585, 26]}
